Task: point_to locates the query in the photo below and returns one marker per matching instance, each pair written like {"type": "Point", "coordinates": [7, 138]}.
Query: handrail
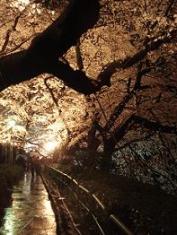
{"type": "Point", "coordinates": [112, 217]}
{"type": "Point", "coordinates": [89, 211]}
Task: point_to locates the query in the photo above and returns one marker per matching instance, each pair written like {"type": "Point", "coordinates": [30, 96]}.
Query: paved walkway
{"type": "Point", "coordinates": [30, 212]}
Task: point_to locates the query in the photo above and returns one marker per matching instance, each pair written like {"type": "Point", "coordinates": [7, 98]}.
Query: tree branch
{"type": "Point", "coordinates": [42, 55]}
{"type": "Point", "coordinates": [152, 45]}
{"type": "Point", "coordinates": [156, 126]}
{"type": "Point", "coordinates": [119, 132]}
{"type": "Point", "coordinates": [120, 107]}
{"type": "Point", "coordinates": [45, 49]}
{"type": "Point", "coordinates": [169, 7]}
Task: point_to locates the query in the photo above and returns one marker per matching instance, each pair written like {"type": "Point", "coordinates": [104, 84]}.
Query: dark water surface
{"type": "Point", "coordinates": [30, 212]}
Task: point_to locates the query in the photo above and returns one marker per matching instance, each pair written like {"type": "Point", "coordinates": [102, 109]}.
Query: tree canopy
{"type": "Point", "coordinates": [92, 73]}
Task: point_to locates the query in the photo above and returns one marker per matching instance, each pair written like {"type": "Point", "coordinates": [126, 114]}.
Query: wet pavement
{"type": "Point", "coordinates": [30, 212]}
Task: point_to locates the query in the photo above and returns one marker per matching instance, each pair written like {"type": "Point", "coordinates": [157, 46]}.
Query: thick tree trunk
{"type": "Point", "coordinates": [45, 49]}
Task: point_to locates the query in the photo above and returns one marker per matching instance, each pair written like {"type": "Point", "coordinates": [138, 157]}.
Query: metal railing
{"type": "Point", "coordinates": [68, 181]}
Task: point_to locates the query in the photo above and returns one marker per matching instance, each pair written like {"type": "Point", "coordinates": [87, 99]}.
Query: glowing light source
{"type": "Point", "coordinates": [50, 146]}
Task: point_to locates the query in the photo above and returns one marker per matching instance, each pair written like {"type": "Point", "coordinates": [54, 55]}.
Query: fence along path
{"type": "Point", "coordinates": [68, 180]}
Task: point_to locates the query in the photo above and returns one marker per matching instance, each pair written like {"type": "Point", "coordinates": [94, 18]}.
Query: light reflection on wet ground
{"type": "Point", "coordinates": [30, 212]}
